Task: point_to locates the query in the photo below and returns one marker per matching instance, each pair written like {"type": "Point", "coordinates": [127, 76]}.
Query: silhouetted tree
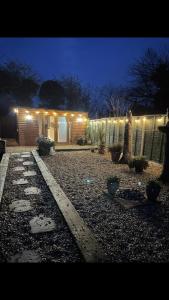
{"type": "Point", "coordinates": [77, 97]}
{"type": "Point", "coordinates": [18, 85]}
{"type": "Point", "coordinates": [51, 94]}
{"type": "Point", "coordinates": [150, 86]}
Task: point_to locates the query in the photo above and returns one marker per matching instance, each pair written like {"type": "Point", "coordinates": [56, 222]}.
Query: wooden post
{"type": "Point", "coordinates": [142, 137]}
{"type": "Point", "coordinates": [127, 147]}
{"type": "Point", "coordinates": [152, 144]}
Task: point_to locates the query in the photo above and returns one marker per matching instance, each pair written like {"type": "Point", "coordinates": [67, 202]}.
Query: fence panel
{"type": "Point", "coordinates": [147, 139]}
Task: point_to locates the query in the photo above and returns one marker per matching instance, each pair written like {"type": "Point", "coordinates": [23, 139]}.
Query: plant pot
{"type": "Point", "coordinates": [115, 156]}
{"type": "Point", "coordinates": [44, 151]}
{"type": "Point", "coordinates": [152, 195]}
{"type": "Point", "coordinates": [112, 187]}
{"type": "Point", "coordinates": [139, 169]}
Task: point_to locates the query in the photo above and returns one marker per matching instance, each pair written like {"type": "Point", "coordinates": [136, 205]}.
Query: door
{"type": "Point", "coordinates": [62, 130]}
{"type": "Point", "coordinates": [51, 128]}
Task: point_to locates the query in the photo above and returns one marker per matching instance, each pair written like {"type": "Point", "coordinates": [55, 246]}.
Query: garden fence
{"type": "Point", "coordinates": [147, 139]}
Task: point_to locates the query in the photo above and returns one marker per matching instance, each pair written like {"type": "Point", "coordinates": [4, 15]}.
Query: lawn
{"type": "Point", "coordinates": [139, 234]}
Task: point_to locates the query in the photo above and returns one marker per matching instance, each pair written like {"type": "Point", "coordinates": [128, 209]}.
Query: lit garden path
{"type": "Point", "coordinates": [32, 227]}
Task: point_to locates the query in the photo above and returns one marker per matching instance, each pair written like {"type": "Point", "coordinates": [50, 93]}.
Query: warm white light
{"type": "Point", "coordinates": [159, 119]}
{"type": "Point", "coordinates": [126, 120]}
{"type": "Point", "coordinates": [46, 112]}
{"type": "Point", "coordinates": [16, 110]}
{"type": "Point", "coordinates": [121, 121]}
{"type": "Point", "coordinates": [80, 115]}
{"type": "Point", "coordinates": [65, 114]}
{"type": "Point", "coordinates": [54, 113]}
{"type": "Point", "coordinates": [85, 119]}
{"type": "Point", "coordinates": [114, 121]}
{"type": "Point", "coordinates": [72, 115]}
{"type": "Point", "coordinates": [28, 117]}
{"type": "Point", "coordinates": [37, 112]}
{"type": "Point", "coordinates": [144, 119]}
{"type": "Point", "coordinates": [137, 121]}
{"type": "Point", "coordinates": [27, 111]}
{"type": "Point", "coordinates": [109, 121]}
{"type": "Point", "coordinates": [80, 120]}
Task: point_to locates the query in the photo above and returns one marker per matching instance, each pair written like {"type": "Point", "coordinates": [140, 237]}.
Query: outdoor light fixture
{"type": "Point", "coordinates": [16, 110]}
{"type": "Point", "coordinates": [46, 112]}
{"type": "Point", "coordinates": [28, 117]}
{"type": "Point", "coordinates": [72, 115]}
{"type": "Point", "coordinates": [65, 114]}
{"type": "Point", "coordinates": [27, 111]}
{"type": "Point", "coordinates": [121, 121]}
{"type": "Point", "coordinates": [137, 121]}
{"type": "Point", "coordinates": [37, 112]}
{"type": "Point", "coordinates": [114, 121]}
{"type": "Point", "coordinates": [80, 120]}
{"type": "Point", "coordinates": [159, 119]}
{"type": "Point", "coordinates": [109, 121]}
{"type": "Point", "coordinates": [54, 113]}
{"type": "Point", "coordinates": [80, 115]}
{"type": "Point", "coordinates": [126, 120]}
{"type": "Point", "coordinates": [144, 119]}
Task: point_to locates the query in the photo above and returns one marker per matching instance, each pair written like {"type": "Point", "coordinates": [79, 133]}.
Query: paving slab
{"type": "Point", "coordinates": [29, 173]}
{"type": "Point", "coordinates": [27, 256]}
{"type": "Point", "coordinates": [20, 206]}
{"type": "Point", "coordinates": [18, 169]}
{"type": "Point", "coordinates": [42, 224]}
{"type": "Point", "coordinates": [28, 163]}
{"type": "Point", "coordinates": [20, 181]}
{"type": "Point", "coordinates": [32, 191]}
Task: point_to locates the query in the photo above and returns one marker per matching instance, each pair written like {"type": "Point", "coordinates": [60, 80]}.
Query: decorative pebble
{"type": "Point", "coordinates": [29, 173]}
{"type": "Point", "coordinates": [20, 181]}
{"type": "Point", "coordinates": [20, 206]}
{"type": "Point", "coordinates": [19, 169]}
{"type": "Point", "coordinates": [32, 191]}
{"type": "Point", "coordinates": [28, 163]}
{"type": "Point", "coordinates": [41, 224]}
{"type": "Point", "coordinates": [27, 256]}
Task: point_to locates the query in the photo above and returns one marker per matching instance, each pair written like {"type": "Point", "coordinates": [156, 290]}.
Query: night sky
{"type": "Point", "coordinates": [96, 61]}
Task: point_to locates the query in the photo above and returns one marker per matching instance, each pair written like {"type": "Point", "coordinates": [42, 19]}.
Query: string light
{"type": "Point", "coordinates": [28, 117]}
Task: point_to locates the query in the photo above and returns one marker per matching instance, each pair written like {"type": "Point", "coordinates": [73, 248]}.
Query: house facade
{"type": "Point", "coordinates": [64, 127]}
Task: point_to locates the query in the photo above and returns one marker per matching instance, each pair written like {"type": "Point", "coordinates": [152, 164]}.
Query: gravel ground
{"type": "Point", "coordinates": [140, 234]}
{"type": "Point", "coordinates": [15, 231]}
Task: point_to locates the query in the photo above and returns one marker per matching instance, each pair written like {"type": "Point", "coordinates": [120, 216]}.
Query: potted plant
{"type": "Point", "coordinates": [139, 163]}
{"type": "Point", "coordinates": [81, 141]}
{"type": "Point", "coordinates": [101, 138]}
{"type": "Point", "coordinates": [112, 184]}
{"type": "Point", "coordinates": [44, 145]}
{"type": "Point", "coordinates": [153, 190]}
{"type": "Point", "coordinates": [115, 151]}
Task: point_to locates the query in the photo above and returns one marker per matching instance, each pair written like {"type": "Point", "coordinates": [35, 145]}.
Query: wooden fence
{"type": "Point", "coordinates": [147, 139]}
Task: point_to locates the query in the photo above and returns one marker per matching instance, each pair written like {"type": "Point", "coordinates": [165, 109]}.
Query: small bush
{"type": "Point", "coordinates": [81, 141]}
{"type": "Point", "coordinates": [139, 163]}
{"type": "Point", "coordinates": [44, 145]}
{"type": "Point", "coordinates": [116, 148]}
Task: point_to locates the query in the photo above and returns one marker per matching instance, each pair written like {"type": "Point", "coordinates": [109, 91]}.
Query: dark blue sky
{"type": "Point", "coordinates": [96, 61]}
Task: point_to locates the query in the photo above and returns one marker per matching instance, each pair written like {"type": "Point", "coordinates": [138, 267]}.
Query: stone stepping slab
{"type": "Point", "coordinates": [29, 173]}
{"type": "Point", "coordinates": [42, 224]}
{"type": "Point", "coordinates": [20, 206]}
{"type": "Point", "coordinates": [20, 181]}
{"type": "Point", "coordinates": [15, 154]}
{"type": "Point", "coordinates": [32, 191]}
{"type": "Point", "coordinates": [18, 169]}
{"type": "Point", "coordinates": [19, 159]}
{"type": "Point", "coordinates": [25, 155]}
{"type": "Point", "coordinates": [27, 256]}
{"type": "Point", "coordinates": [28, 163]}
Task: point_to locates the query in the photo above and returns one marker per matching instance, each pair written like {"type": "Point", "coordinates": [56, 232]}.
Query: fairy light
{"type": "Point", "coordinates": [28, 117]}
{"type": "Point", "coordinates": [79, 120]}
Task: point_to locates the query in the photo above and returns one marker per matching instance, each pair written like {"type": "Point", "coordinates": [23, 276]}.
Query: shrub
{"type": "Point", "coordinates": [139, 163]}
{"type": "Point", "coordinates": [81, 141]}
{"type": "Point", "coordinates": [116, 151]}
{"type": "Point", "coordinates": [44, 145]}
{"type": "Point", "coordinates": [152, 190]}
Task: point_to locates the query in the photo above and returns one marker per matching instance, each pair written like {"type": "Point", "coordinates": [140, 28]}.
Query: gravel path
{"type": "Point", "coordinates": [140, 234]}
{"type": "Point", "coordinates": [15, 231]}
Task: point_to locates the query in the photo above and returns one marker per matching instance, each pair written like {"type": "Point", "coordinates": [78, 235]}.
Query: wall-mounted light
{"type": "Point", "coordinates": [109, 121]}
{"type": "Point", "coordinates": [54, 113]}
{"type": "Point", "coordinates": [37, 112]}
{"type": "Point", "coordinates": [144, 119]}
{"type": "Point", "coordinates": [137, 121]}
{"type": "Point", "coordinates": [121, 121]}
{"type": "Point", "coordinates": [16, 110]}
{"type": "Point", "coordinates": [159, 119]}
{"type": "Point", "coordinates": [126, 120]}
{"type": "Point", "coordinates": [27, 111]}
{"type": "Point", "coordinates": [79, 120]}
{"type": "Point", "coordinates": [114, 121]}
{"type": "Point", "coordinates": [65, 114]}
{"type": "Point", "coordinates": [72, 115]}
{"type": "Point", "coordinates": [46, 112]}
{"type": "Point", "coordinates": [28, 117]}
